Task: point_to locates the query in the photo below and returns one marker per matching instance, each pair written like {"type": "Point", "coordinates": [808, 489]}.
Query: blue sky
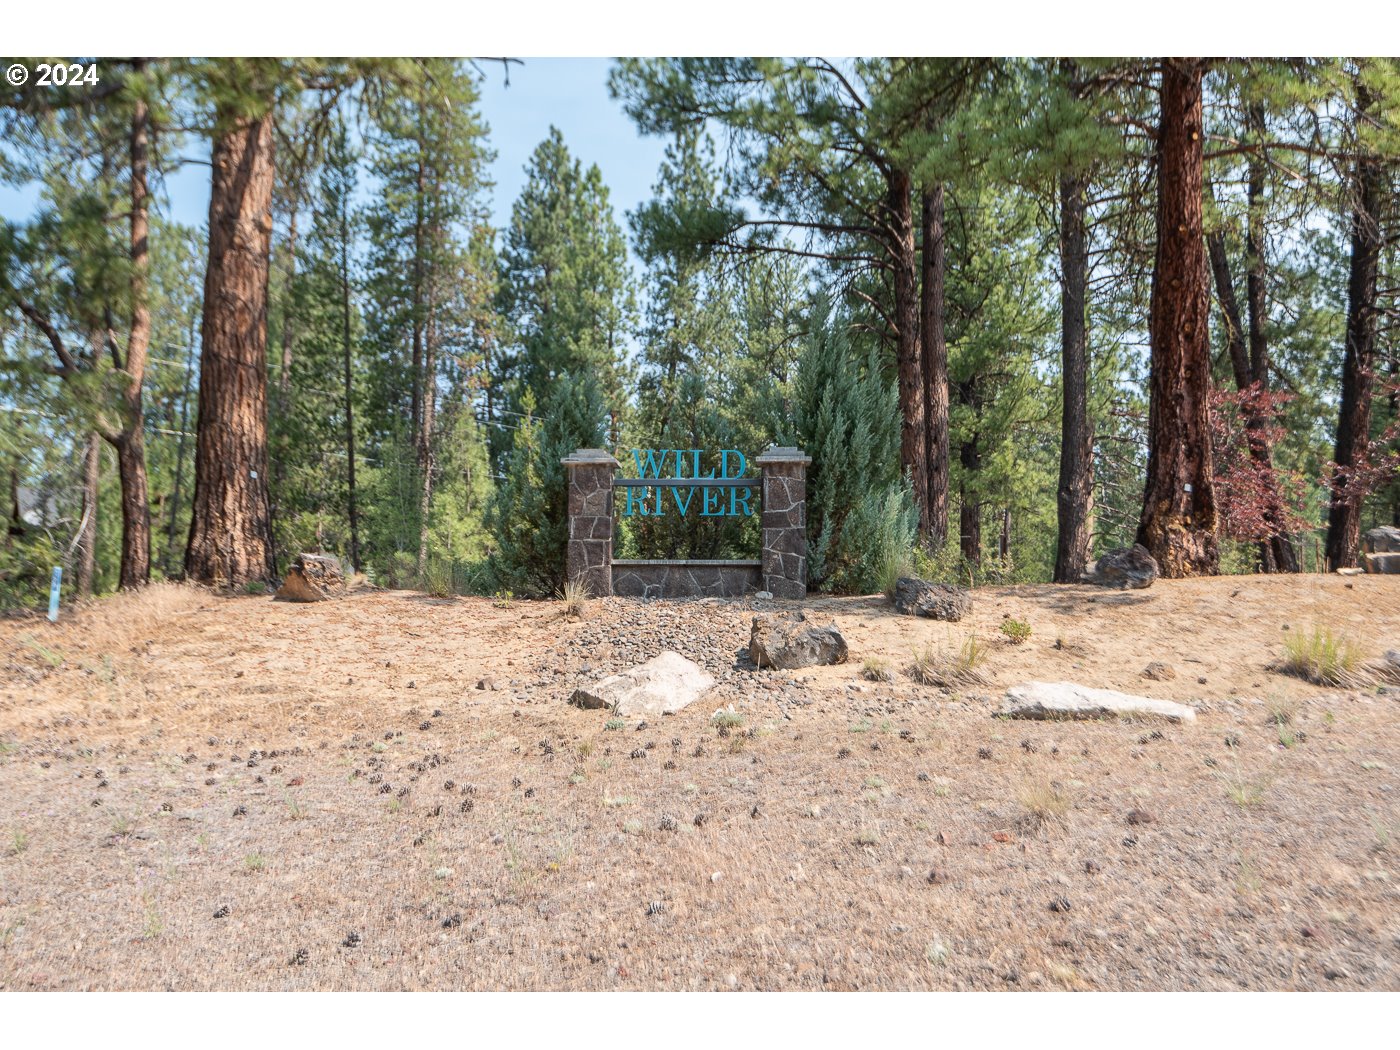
{"type": "Point", "coordinates": [570, 93]}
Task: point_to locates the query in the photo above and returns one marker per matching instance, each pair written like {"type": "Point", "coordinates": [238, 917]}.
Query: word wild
{"type": "Point", "coordinates": [653, 463]}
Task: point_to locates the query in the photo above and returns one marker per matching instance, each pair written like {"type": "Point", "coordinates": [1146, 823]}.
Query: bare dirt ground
{"type": "Point", "coordinates": [200, 792]}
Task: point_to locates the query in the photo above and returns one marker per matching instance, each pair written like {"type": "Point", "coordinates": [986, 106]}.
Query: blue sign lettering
{"type": "Point", "coordinates": [650, 500]}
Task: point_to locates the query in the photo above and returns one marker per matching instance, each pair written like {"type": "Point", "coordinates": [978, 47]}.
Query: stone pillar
{"type": "Point", "coordinates": [784, 521]}
{"type": "Point", "coordinates": [591, 519]}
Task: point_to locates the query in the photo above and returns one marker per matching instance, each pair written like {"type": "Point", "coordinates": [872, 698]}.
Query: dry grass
{"type": "Point", "coordinates": [519, 845]}
{"type": "Point", "coordinates": [1044, 803]}
{"type": "Point", "coordinates": [1323, 656]}
{"type": "Point", "coordinates": [574, 595]}
{"type": "Point", "coordinates": [876, 669]}
{"type": "Point", "coordinates": [950, 669]}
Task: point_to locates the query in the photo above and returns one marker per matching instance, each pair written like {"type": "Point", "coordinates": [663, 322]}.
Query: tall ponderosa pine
{"type": "Point", "coordinates": [688, 359]}
{"type": "Point", "coordinates": [1178, 521]}
{"type": "Point", "coordinates": [231, 526]}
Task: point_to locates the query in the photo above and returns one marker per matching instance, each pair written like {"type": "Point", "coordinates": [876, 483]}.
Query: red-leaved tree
{"type": "Point", "coordinates": [1256, 500]}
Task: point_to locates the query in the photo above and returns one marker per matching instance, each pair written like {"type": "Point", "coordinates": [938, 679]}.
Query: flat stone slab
{"type": "Point", "coordinates": [1052, 700]}
{"type": "Point", "coordinates": [665, 684]}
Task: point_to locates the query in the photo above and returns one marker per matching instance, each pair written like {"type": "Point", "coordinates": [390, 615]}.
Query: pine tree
{"type": "Point", "coordinates": [430, 268]}
{"type": "Point", "coordinates": [566, 293]}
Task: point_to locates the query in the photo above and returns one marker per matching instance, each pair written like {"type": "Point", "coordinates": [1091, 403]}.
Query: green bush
{"type": "Point", "coordinates": [845, 415]}
{"type": "Point", "coordinates": [877, 544]}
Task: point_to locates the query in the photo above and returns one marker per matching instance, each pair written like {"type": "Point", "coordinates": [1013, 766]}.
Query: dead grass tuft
{"type": "Point", "coordinates": [932, 666]}
{"type": "Point", "coordinates": [877, 669]}
{"type": "Point", "coordinates": [1323, 656]}
{"type": "Point", "coordinates": [574, 595]}
{"type": "Point", "coordinates": [1044, 804]}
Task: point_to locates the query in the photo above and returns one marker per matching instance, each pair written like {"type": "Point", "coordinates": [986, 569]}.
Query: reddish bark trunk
{"type": "Point", "coordinates": [1178, 519]}
{"type": "Point", "coordinates": [230, 531]}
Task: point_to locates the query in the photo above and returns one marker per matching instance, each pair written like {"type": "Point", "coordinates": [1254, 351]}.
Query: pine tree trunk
{"type": "Point", "coordinates": [934, 359]}
{"type": "Point", "coordinates": [425, 441]}
{"type": "Point", "coordinates": [913, 439]}
{"type": "Point", "coordinates": [1358, 367]}
{"type": "Point", "coordinates": [230, 527]}
{"type": "Point", "coordinates": [170, 567]}
{"type": "Point", "coordinates": [1276, 553]}
{"type": "Point", "coordinates": [349, 390]}
{"type": "Point", "coordinates": [87, 536]}
{"type": "Point", "coordinates": [1229, 308]}
{"type": "Point", "coordinates": [970, 459]}
{"type": "Point", "coordinates": [130, 443]}
{"type": "Point", "coordinates": [1178, 519]}
{"type": "Point", "coordinates": [284, 371]}
{"type": "Point", "coordinates": [969, 514]}
{"type": "Point", "coordinates": [136, 511]}
{"type": "Point", "coordinates": [1075, 495]}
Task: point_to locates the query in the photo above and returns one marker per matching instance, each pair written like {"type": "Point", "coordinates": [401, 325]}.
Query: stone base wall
{"type": "Point", "coordinates": [686, 579]}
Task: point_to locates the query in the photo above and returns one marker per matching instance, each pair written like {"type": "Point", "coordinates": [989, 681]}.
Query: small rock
{"type": "Point", "coordinates": [1060, 904]}
{"type": "Point", "coordinates": [1159, 672]}
{"type": "Point", "coordinates": [1140, 816]}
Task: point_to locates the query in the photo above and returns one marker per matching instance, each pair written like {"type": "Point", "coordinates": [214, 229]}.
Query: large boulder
{"type": "Point", "coordinates": [1051, 700]}
{"type": "Point", "coordinates": [662, 686]}
{"type": "Point", "coordinates": [937, 601]}
{"type": "Point", "coordinates": [1123, 568]}
{"type": "Point", "coordinates": [1387, 564]}
{"type": "Point", "coordinates": [788, 641]}
{"type": "Point", "coordinates": [312, 578]}
{"type": "Point", "coordinates": [1382, 540]}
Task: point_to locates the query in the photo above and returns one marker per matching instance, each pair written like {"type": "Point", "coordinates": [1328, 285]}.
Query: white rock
{"type": "Point", "coordinates": [1067, 700]}
{"type": "Point", "coordinates": [663, 685]}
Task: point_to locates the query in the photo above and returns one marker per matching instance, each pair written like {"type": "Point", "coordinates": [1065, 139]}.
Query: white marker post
{"type": "Point", "coordinates": [53, 593]}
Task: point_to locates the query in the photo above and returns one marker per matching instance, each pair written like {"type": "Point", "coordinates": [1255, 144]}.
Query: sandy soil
{"type": "Point", "coordinates": [234, 793]}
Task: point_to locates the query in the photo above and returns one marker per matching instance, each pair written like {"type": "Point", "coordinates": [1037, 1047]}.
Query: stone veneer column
{"type": "Point", "coordinates": [591, 519]}
{"type": "Point", "coordinates": [784, 521]}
